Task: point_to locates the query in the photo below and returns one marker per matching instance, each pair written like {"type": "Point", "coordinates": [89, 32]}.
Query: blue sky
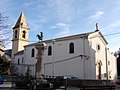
{"type": "Point", "coordinates": [58, 18]}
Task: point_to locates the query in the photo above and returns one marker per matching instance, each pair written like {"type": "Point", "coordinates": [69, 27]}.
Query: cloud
{"type": "Point", "coordinates": [64, 9]}
{"type": "Point", "coordinates": [114, 24]}
{"type": "Point", "coordinates": [29, 4]}
{"type": "Point", "coordinates": [32, 5]}
{"type": "Point", "coordinates": [4, 2]}
{"type": "Point", "coordinates": [64, 29]}
{"type": "Point", "coordinates": [39, 4]}
{"type": "Point", "coordinates": [59, 25]}
{"type": "Point", "coordinates": [37, 23]}
{"type": "Point", "coordinates": [97, 15]}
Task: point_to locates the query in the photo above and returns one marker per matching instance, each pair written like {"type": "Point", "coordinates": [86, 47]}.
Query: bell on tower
{"type": "Point", "coordinates": [21, 22]}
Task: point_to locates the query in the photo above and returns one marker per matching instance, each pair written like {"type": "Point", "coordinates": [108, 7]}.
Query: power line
{"type": "Point", "coordinates": [71, 58]}
{"type": "Point", "coordinates": [112, 34]}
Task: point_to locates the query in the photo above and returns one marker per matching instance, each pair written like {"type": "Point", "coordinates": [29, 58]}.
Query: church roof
{"type": "Point", "coordinates": [83, 35]}
{"type": "Point", "coordinates": [21, 20]}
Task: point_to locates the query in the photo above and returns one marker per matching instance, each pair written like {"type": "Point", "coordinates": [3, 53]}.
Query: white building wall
{"type": "Point", "coordinates": [103, 55]}
{"type": "Point", "coordinates": [19, 65]}
{"type": "Point", "coordinates": [112, 66]}
{"type": "Point", "coordinates": [30, 62]}
{"type": "Point", "coordinates": [27, 55]}
{"type": "Point", "coordinates": [90, 62]}
{"type": "Point", "coordinates": [100, 55]}
{"type": "Point", "coordinates": [61, 63]}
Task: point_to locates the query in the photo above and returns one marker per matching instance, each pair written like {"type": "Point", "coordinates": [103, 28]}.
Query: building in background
{"type": "Point", "coordinates": [8, 52]}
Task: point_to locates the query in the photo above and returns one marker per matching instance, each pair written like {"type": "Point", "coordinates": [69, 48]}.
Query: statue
{"type": "Point", "coordinates": [40, 36]}
{"type": "Point", "coordinates": [96, 26]}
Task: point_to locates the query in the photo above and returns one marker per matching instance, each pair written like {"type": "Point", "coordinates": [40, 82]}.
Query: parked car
{"type": "Point", "coordinates": [1, 79]}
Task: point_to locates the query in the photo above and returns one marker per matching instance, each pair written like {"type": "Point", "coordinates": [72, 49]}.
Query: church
{"type": "Point", "coordinates": [85, 56]}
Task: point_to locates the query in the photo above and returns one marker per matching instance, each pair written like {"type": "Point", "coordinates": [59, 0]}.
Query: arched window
{"type": "Point", "coordinates": [22, 59]}
{"type": "Point", "coordinates": [23, 34]}
{"type": "Point", "coordinates": [71, 48]}
{"type": "Point", "coordinates": [49, 50]}
{"type": "Point", "coordinates": [18, 61]}
{"type": "Point", "coordinates": [98, 47]}
{"type": "Point", "coordinates": [16, 33]}
{"type": "Point", "coordinates": [33, 52]}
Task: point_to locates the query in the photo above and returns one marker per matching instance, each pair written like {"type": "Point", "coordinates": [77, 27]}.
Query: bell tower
{"type": "Point", "coordinates": [20, 35]}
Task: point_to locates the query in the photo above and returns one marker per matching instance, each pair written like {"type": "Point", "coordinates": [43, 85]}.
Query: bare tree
{"type": "Point", "coordinates": [4, 38]}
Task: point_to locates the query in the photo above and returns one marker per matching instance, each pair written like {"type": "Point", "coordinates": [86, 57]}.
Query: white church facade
{"type": "Point", "coordinates": [84, 56]}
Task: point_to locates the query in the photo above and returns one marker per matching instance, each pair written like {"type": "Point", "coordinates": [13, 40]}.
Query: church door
{"type": "Point", "coordinates": [99, 71]}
